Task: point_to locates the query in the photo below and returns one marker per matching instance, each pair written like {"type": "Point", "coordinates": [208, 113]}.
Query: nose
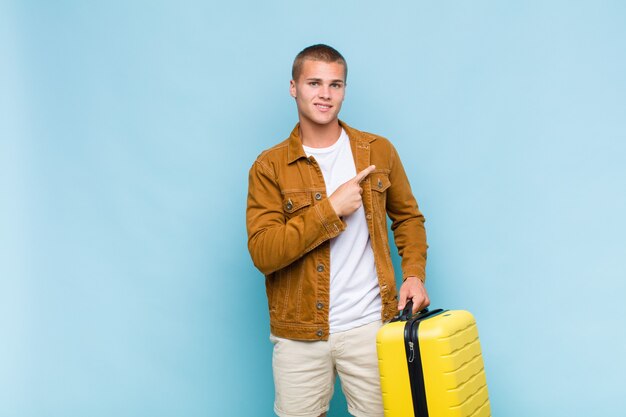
{"type": "Point", "coordinates": [324, 92]}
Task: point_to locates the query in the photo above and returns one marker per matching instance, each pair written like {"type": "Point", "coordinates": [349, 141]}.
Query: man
{"type": "Point", "coordinates": [316, 220]}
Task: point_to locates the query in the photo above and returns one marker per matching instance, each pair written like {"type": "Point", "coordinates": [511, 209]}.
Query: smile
{"type": "Point", "coordinates": [323, 107]}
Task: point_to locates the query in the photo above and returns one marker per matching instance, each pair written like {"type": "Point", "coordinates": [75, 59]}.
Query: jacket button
{"type": "Point", "coordinates": [318, 196]}
{"type": "Point", "coordinates": [368, 216]}
{"type": "Point", "coordinates": [320, 268]}
{"type": "Point", "coordinates": [289, 206]}
{"type": "Point", "coordinates": [320, 306]}
{"type": "Point", "coordinates": [380, 183]}
{"type": "Point", "coordinates": [320, 333]}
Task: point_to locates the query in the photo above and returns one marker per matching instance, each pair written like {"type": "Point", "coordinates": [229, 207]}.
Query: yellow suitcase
{"type": "Point", "coordinates": [431, 365]}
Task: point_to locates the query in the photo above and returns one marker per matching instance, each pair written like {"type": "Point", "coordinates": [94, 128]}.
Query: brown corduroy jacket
{"type": "Point", "coordinates": [290, 222]}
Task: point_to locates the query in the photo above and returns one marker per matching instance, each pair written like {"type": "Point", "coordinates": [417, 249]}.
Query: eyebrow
{"type": "Point", "coordinates": [319, 79]}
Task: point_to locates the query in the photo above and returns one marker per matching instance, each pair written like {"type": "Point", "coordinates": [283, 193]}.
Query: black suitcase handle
{"type": "Point", "coordinates": [407, 313]}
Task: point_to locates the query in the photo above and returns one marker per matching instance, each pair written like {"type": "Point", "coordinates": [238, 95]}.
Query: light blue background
{"type": "Point", "coordinates": [127, 130]}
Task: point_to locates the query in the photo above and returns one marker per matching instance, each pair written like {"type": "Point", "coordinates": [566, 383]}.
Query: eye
{"type": "Point", "coordinates": [313, 83]}
{"type": "Point", "coordinates": [335, 85]}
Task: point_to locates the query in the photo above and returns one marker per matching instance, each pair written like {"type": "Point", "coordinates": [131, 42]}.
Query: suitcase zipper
{"type": "Point", "coordinates": [416, 379]}
{"type": "Point", "coordinates": [416, 373]}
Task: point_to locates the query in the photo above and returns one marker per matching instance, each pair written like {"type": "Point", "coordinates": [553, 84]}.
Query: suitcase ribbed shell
{"type": "Point", "coordinates": [454, 376]}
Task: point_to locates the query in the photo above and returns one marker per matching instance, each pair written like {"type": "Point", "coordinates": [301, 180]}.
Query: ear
{"type": "Point", "coordinates": [292, 88]}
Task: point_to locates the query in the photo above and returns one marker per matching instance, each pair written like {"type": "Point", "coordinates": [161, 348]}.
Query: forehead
{"type": "Point", "coordinates": [322, 70]}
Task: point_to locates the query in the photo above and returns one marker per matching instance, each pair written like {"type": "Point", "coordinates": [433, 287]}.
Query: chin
{"type": "Point", "coordinates": [326, 120]}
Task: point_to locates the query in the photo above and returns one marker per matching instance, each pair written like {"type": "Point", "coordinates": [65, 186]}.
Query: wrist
{"type": "Point", "coordinates": [330, 200]}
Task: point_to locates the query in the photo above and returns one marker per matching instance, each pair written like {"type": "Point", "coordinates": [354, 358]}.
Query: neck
{"type": "Point", "coordinates": [319, 136]}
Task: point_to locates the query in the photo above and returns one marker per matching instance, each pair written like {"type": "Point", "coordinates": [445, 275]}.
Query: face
{"type": "Point", "coordinates": [319, 91]}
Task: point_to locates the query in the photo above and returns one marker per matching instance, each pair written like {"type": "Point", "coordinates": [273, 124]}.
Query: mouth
{"type": "Point", "coordinates": [323, 107]}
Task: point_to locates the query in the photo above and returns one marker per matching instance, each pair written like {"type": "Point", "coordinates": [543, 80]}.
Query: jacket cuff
{"type": "Point", "coordinates": [415, 271]}
{"type": "Point", "coordinates": [331, 222]}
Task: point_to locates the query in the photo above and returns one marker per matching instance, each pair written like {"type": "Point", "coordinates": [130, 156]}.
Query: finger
{"type": "Point", "coordinates": [402, 301]}
{"type": "Point", "coordinates": [361, 175]}
{"type": "Point", "coordinates": [420, 303]}
{"type": "Point", "coordinates": [417, 304]}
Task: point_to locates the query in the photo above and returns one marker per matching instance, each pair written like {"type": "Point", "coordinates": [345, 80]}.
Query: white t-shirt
{"type": "Point", "coordinates": [354, 292]}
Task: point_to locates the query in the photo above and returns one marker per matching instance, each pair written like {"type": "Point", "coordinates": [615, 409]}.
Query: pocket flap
{"type": "Point", "coordinates": [294, 202]}
{"type": "Point", "coordinates": [380, 181]}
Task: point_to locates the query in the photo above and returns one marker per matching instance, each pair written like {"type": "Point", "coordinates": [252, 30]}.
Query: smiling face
{"type": "Point", "coordinates": [319, 92]}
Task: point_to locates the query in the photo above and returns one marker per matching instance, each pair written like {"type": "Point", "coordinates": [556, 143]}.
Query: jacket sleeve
{"type": "Point", "coordinates": [275, 241]}
{"type": "Point", "coordinates": [407, 221]}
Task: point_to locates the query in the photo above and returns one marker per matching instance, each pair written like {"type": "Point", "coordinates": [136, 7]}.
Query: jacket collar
{"type": "Point", "coordinates": [296, 151]}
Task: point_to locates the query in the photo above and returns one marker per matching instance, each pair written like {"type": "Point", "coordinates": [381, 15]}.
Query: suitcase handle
{"type": "Point", "coordinates": [407, 313]}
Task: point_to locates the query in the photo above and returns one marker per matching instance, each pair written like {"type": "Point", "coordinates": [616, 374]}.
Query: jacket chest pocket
{"type": "Point", "coordinates": [380, 183]}
{"type": "Point", "coordinates": [296, 203]}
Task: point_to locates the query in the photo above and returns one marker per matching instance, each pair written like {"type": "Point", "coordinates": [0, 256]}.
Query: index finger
{"type": "Point", "coordinates": [361, 175]}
